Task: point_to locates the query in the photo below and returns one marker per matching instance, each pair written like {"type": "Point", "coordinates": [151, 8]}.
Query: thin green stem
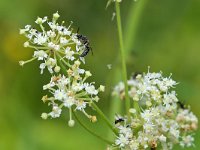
{"type": "Point", "coordinates": [90, 131]}
{"type": "Point", "coordinates": [63, 68]}
{"type": "Point", "coordinates": [104, 117]}
{"type": "Point", "coordinates": [123, 60]}
{"type": "Point", "coordinates": [62, 59]}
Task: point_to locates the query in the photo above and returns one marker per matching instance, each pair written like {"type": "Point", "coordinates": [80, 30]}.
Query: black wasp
{"type": "Point", "coordinates": [84, 40]}
{"type": "Point", "coordinates": [119, 119]}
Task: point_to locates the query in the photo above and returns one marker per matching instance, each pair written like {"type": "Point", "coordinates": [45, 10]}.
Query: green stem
{"type": "Point", "coordinates": [90, 131]}
{"type": "Point", "coordinates": [104, 118]}
{"type": "Point", "coordinates": [124, 72]}
{"type": "Point", "coordinates": [63, 68]}
{"type": "Point", "coordinates": [62, 59]}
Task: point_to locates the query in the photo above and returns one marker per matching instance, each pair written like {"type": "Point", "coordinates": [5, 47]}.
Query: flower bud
{"type": "Point", "coordinates": [71, 123]}
{"type": "Point", "coordinates": [56, 16]}
{"type": "Point", "coordinates": [21, 63]}
{"type": "Point", "coordinates": [77, 63]}
{"type": "Point", "coordinates": [44, 116]}
{"type": "Point", "coordinates": [26, 44]}
{"type": "Point", "coordinates": [57, 69]}
{"type": "Point", "coordinates": [45, 98]}
{"type": "Point", "coordinates": [22, 31]}
{"type": "Point", "coordinates": [39, 20]}
{"type": "Point", "coordinates": [93, 119]}
{"type": "Point", "coordinates": [70, 72]}
{"type": "Point", "coordinates": [88, 74]}
{"type": "Point", "coordinates": [102, 88]}
{"type": "Point", "coordinates": [96, 98]}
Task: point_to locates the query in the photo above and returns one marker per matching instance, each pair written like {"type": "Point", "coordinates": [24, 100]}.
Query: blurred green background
{"type": "Point", "coordinates": [167, 39]}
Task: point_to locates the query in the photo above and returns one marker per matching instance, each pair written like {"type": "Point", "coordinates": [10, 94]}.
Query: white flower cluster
{"type": "Point", "coordinates": [57, 47]}
{"type": "Point", "coordinates": [52, 43]}
{"type": "Point", "coordinates": [159, 120]}
{"type": "Point", "coordinates": [71, 92]}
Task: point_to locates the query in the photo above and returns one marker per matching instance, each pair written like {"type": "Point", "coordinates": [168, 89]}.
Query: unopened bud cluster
{"type": "Point", "coordinates": [158, 120]}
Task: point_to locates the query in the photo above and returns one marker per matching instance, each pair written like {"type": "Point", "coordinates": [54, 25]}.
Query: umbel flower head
{"type": "Point", "coordinates": [158, 120]}
{"type": "Point", "coordinates": [71, 91]}
{"type": "Point", "coordinates": [52, 42]}
{"type": "Point", "coordinates": [57, 47]}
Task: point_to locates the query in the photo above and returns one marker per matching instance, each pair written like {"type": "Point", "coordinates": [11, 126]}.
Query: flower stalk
{"type": "Point", "coordinates": [123, 60]}
{"type": "Point", "coordinates": [90, 131]}
{"type": "Point", "coordinates": [104, 118]}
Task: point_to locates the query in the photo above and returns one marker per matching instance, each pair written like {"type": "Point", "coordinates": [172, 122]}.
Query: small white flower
{"type": "Point", "coordinates": [125, 131]}
{"type": "Point", "coordinates": [80, 105]}
{"type": "Point", "coordinates": [90, 89]}
{"type": "Point", "coordinates": [53, 46]}
{"type": "Point", "coordinates": [23, 31]}
{"type": "Point", "coordinates": [50, 63]}
{"type": "Point", "coordinates": [69, 54]}
{"type": "Point", "coordinates": [41, 20]}
{"type": "Point", "coordinates": [56, 112]}
{"type": "Point", "coordinates": [51, 34]}
{"type": "Point", "coordinates": [69, 101]}
{"type": "Point", "coordinates": [81, 71]}
{"type": "Point", "coordinates": [41, 55]}
{"type": "Point", "coordinates": [60, 95]}
{"type": "Point", "coordinates": [121, 141]}
{"type": "Point", "coordinates": [40, 39]}
{"type": "Point", "coordinates": [77, 87]}
{"type": "Point", "coordinates": [162, 138]}
{"type": "Point", "coordinates": [187, 141]}
{"type": "Point", "coordinates": [63, 40]}
{"type": "Point", "coordinates": [52, 25]}
{"type": "Point", "coordinates": [134, 145]}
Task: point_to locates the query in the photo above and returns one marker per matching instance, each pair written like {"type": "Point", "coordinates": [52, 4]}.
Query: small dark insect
{"type": "Point", "coordinates": [118, 119]}
{"type": "Point", "coordinates": [84, 40]}
{"type": "Point", "coordinates": [181, 104]}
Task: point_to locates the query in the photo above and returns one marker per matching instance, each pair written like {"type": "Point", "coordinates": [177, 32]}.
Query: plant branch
{"type": "Point", "coordinates": [90, 131]}
{"type": "Point", "coordinates": [104, 118]}
{"type": "Point", "coordinates": [123, 60]}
